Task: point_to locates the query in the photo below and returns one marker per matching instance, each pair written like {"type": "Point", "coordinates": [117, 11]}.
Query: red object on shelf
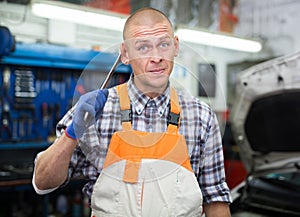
{"type": "Point", "coordinates": [227, 17]}
{"type": "Point", "coordinates": [118, 6]}
{"type": "Point", "coordinates": [235, 172]}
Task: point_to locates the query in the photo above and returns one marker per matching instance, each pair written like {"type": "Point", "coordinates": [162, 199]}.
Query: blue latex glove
{"type": "Point", "coordinates": [91, 103]}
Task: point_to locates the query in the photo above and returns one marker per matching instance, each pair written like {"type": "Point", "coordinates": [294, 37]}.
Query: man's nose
{"type": "Point", "coordinates": [156, 56]}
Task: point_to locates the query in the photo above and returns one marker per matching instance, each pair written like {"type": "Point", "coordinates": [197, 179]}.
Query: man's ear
{"type": "Point", "coordinates": [124, 54]}
{"type": "Point", "coordinates": [176, 44]}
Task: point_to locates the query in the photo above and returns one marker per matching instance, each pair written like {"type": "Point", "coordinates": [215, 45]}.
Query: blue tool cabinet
{"type": "Point", "coordinates": [39, 83]}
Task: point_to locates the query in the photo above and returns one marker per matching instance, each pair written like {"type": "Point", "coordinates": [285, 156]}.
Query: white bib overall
{"type": "Point", "coordinates": [147, 174]}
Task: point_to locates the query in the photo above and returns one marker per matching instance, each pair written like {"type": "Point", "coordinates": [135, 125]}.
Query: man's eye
{"type": "Point", "coordinates": [143, 48]}
{"type": "Point", "coordinates": [165, 44]}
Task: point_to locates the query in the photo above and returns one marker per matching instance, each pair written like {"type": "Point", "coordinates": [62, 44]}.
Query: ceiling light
{"type": "Point", "coordinates": [218, 40]}
{"type": "Point", "coordinates": [78, 14]}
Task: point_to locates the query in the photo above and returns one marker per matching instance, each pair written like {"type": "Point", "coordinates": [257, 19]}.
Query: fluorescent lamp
{"type": "Point", "coordinates": [218, 40]}
{"type": "Point", "coordinates": [78, 14]}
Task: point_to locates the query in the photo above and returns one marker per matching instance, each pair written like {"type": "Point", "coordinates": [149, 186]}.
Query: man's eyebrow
{"type": "Point", "coordinates": [141, 40]}
{"type": "Point", "coordinates": [164, 37]}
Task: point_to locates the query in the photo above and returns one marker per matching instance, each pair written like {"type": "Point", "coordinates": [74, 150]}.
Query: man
{"type": "Point", "coordinates": [116, 146]}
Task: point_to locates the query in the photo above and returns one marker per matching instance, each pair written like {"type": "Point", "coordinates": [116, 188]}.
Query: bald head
{"type": "Point", "coordinates": [147, 17]}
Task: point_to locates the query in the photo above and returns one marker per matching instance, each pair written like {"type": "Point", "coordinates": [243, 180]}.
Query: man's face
{"type": "Point", "coordinates": [151, 50]}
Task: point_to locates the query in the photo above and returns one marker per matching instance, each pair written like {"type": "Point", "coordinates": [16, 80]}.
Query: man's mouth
{"type": "Point", "coordinates": [157, 70]}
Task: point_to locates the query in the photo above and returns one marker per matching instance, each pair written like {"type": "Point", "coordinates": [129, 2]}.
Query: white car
{"type": "Point", "coordinates": [265, 121]}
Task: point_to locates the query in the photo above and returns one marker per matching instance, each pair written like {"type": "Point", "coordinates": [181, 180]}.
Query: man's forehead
{"type": "Point", "coordinates": [158, 38]}
{"type": "Point", "coordinates": [139, 31]}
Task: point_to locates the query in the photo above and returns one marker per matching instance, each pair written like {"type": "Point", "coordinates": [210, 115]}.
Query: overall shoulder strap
{"type": "Point", "coordinates": [124, 106]}
{"type": "Point", "coordinates": [126, 115]}
{"type": "Point", "coordinates": [174, 115]}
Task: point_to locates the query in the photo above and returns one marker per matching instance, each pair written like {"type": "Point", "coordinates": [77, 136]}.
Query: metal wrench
{"type": "Point", "coordinates": [87, 117]}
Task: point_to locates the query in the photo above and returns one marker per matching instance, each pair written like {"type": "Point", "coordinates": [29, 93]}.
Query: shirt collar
{"type": "Point", "coordinates": [140, 100]}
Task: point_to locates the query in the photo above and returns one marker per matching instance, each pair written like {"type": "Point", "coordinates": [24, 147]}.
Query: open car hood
{"type": "Point", "coordinates": [265, 117]}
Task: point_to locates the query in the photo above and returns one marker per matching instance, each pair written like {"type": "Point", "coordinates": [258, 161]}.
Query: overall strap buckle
{"type": "Point", "coordinates": [173, 119]}
{"type": "Point", "coordinates": [126, 115]}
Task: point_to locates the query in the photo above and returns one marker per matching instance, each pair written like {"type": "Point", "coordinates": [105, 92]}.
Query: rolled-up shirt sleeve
{"type": "Point", "coordinates": [212, 176]}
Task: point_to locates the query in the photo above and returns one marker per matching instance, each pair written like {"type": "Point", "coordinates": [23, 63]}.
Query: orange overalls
{"type": "Point", "coordinates": [146, 174]}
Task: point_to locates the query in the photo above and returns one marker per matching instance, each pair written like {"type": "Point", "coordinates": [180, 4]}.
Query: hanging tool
{"type": "Point", "coordinates": [87, 118]}
{"type": "Point", "coordinates": [5, 118]}
{"type": "Point", "coordinates": [45, 114]}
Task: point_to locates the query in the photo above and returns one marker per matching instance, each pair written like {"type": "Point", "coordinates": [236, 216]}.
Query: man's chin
{"type": "Point", "coordinates": [156, 81]}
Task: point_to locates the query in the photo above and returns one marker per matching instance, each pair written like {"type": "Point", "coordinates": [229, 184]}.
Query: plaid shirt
{"type": "Point", "coordinates": [198, 124]}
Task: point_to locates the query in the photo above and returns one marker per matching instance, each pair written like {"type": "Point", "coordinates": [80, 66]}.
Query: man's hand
{"type": "Point", "coordinates": [90, 104]}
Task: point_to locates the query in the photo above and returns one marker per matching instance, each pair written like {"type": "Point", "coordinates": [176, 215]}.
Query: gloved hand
{"type": "Point", "coordinates": [91, 103]}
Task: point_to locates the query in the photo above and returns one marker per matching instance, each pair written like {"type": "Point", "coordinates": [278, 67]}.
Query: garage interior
{"type": "Point", "coordinates": [46, 63]}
